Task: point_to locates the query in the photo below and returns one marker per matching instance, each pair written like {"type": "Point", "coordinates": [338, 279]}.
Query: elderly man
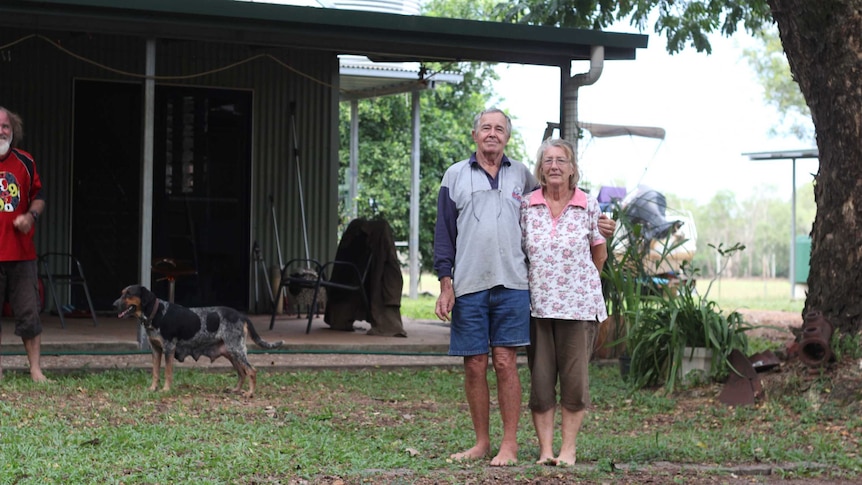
{"type": "Point", "coordinates": [21, 205]}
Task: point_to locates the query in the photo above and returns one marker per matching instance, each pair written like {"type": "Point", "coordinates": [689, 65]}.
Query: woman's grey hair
{"type": "Point", "coordinates": [489, 111]}
{"type": "Point", "coordinates": [17, 126]}
{"type": "Point", "coordinates": [570, 157]}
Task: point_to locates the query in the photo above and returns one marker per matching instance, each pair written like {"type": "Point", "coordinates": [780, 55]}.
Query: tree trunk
{"type": "Point", "coordinates": [823, 43]}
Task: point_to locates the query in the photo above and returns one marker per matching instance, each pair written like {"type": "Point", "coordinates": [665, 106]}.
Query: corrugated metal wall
{"type": "Point", "coordinates": [37, 78]}
{"type": "Point", "coordinates": [276, 85]}
{"type": "Point", "coordinates": [36, 81]}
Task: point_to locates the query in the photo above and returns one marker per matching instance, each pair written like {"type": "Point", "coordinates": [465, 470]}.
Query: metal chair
{"type": "Point", "coordinates": [65, 269]}
{"type": "Point", "coordinates": [352, 279]}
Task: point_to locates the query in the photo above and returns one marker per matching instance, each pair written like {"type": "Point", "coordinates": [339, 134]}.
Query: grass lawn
{"type": "Point", "coordinates": [398, 426]}
{"type": "Point", "coordinates": [389, 426]}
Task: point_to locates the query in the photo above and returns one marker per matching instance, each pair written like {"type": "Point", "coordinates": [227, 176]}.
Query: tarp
{"type": "Point", "coordinates": [608, 195]}
{"type": "Point", "coordinates": [602, 131]}
{"type": "Point", "coordinates": [364, 239]}
{"type": "Point", "coordinates": [670, 233]}
{"type": "Point", "coordinates": [648, 207]}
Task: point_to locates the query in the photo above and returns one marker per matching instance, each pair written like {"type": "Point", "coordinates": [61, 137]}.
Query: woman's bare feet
{"type": "Point", "coordinates": [566, 459]}
{"type": "Point", "coordinates": [547, 460]}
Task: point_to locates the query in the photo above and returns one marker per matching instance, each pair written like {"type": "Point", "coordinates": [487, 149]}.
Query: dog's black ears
{"type": "Point", "coordinates": [147, 296]}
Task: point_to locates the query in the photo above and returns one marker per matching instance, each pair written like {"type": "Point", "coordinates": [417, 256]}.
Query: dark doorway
{"type": "Point", "coordinates": [201, 190]}
{"type": "Point", "coordinates": [106, 181]}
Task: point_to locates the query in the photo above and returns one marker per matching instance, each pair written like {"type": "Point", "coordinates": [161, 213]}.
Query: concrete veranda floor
{"type": "Point", "coordinates": [113, 343]}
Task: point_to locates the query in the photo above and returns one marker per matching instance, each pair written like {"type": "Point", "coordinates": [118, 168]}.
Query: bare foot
{"type": "Point", "coordinates": [547, 460]}
{"type": "Point", "coordinates": [473, 453]}
{"type": "Point", "coordinates": [506, 457]}
{"type": "Point", "coordinates": [37, 376]}
{"type": "Point", "coordinates": [566, 460]}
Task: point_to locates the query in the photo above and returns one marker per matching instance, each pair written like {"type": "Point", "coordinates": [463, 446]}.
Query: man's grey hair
{"type": "Point", "coordinates": [17, 126]}
{"type": "Point", "coordinates": [489, 111]}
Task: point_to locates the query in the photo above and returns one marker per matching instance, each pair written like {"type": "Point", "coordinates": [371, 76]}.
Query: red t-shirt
{"type": "Point", "coordinates": [19, 187]}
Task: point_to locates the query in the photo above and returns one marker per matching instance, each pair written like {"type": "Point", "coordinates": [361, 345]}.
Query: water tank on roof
{"type": "Point", "coordinates": [404, 7]}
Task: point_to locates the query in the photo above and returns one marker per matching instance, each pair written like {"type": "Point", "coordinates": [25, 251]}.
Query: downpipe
{"type": "Point", "coordinates": [570, 94]}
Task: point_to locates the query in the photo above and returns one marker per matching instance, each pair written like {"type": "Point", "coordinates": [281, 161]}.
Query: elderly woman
{"type": "Point", "coordinates": [559, 224]}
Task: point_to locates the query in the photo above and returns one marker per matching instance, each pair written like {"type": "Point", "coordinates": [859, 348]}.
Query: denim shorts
{"type": "Point", "coordinates": [498, 317]}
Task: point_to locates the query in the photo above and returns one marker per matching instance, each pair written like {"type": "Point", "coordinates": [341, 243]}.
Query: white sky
{"type": "Point", "coordinates": [710, 105]}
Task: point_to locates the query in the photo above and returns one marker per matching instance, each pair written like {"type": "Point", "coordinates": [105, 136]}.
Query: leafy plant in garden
{"type": "Point", "coordinates": [656, 310]}
{"type": "Point", "coordinates": [677, 319]}
{"type": "Point", "coordinates": [629, 273]}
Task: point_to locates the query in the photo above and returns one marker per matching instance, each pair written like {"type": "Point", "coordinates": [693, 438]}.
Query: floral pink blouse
{"type": "Point", "coordinates": [564, 281]}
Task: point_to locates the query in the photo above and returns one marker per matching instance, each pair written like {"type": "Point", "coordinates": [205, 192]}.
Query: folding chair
{"type": "Point", "coordinates": [65, 269]}
{"type": "Point", "coordinates": [352, 279]}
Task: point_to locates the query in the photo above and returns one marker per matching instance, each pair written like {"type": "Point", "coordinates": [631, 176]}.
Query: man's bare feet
{"type": "Point", "coordinates": [473, 453]}
{"type": "Point", "coordinates": [506, 457]}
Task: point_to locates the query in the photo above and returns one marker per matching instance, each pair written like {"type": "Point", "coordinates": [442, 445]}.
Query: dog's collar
{"type": "Point", "coordinates": [145, 320]}
{"type": "Point", "coordinates": [155, 310]}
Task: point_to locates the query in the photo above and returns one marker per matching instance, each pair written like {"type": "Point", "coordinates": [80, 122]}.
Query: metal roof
{"type": "Point", "coordinates": [365, 79]}
{"type": "Point", "coordinates": [379, 36]}
{"type": "Point", "coordinates": [784, 154]}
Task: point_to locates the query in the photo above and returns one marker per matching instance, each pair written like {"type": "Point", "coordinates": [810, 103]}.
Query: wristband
{"type": "Point", "coordinates": [35, 215]}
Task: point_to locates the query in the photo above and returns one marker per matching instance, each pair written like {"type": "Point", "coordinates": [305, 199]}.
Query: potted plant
{"type": "Point", "coordinates": [673, 324]}
{"type": "Point", "coordinates": [620, 286]}
{"type": "Point", "coordinates": [627, 277]}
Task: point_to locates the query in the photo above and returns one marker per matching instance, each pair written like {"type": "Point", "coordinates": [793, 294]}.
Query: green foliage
{"type": "Point", "coordinates": [385, 164]}
{"type": "Point", "coordinates": [670, 322]}
{"type": "Point", "coordinates": [421, 308]}
{"type": "Point", "coordinates": [385, 142]}
{"type": "Point", "coordinates": [460, 9]}
{"type": "Point", "coordinates": [628, 274]}
{"type": "Point", "coordinates": [846, 345]}
{"type": "Point", "coordinates": [682, 23]}
{"type": "Point", "coordinates": [760, 222]}
{"type": "Point", "coordinates": [663, 319]}
{"type": "Point", "coordinates": [779, 88]}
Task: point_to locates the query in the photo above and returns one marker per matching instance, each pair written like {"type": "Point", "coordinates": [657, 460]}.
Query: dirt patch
{"type": "Point", "coordinates": [773, 325]}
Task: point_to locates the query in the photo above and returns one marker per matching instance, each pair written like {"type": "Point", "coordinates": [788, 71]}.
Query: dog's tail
{"type": "Point", "coordinates": [258, 340]}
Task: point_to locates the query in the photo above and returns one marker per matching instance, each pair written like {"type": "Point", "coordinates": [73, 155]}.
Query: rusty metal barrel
{"type": "Point", "coordinates": [815, 347]}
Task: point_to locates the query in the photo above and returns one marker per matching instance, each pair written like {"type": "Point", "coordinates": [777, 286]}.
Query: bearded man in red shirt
{"type": "Point", "coordinates": [21, 205]}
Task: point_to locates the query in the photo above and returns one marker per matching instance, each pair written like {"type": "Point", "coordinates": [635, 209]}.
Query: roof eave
{"type": "Point", "coordinates": [372, 34]}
